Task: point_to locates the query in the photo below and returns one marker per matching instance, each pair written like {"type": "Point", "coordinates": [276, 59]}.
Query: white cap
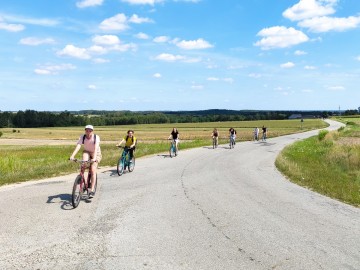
{"type": "Point", "coordinates": [89, 127]}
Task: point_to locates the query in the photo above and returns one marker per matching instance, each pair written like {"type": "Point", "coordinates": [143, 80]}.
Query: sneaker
{"type": "Point", "coordinates": [91, 195]}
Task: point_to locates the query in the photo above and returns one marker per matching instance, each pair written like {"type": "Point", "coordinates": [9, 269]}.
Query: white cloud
{"type": "Point", "coordinates": [124, 47]}
{"type": "Point", "coordinates": [157, 75]}
{"type": "Point", "coordinates": [213, 79]}
{"type": "Point", "coordinates": [307, 91]}
{"type": "Point", "coordinates": [11, 27]}
{"type": "Point", "coordinates": [136, 19]}
{"type": "Point", "coordinates": [309, 67]}
{"type": "Point", "coordinates": [96, 49]}
{"type": "Point", "coordinates": [71, 50]}
{"type": "Point", "coordinates": [194, 44]}
{"type": "Point", "coordinates": [336, 88]}
{"type": "Point", "coordinates": [280, 37]}
{"type": "Point", "coordinates": [326, 24]}
{"type": "Point", "coordinates": [161, 39]}
{"type": "Point", "coordinates": [169, 57]}
{"type": "Point", "coordinates": [33, 41]}
{"type": "Point", "coordinates": [89, 3]}
{"type": "Point", "coordinates": [142, 36]}
{"type": "Point", "coordinates": [25, 20]}
{"type": "Point", "coordinates": [106, 40]}
{"type": "Point", "coordinates": [116, 23]}
{"type": "Point", "coordinates": [287, 65]}
{"type": "Point", "coordinates": [228, 80]}
{"type": "Point", "coordinates": [53, 69]}
{"type": "Point", "coordinates": [358, 58]}
{"type": "Point", "coordinates": [92, 87]}
{"type": "Point", "coordinates": [306, 9]}
{"type": "Point", "coordinates": [298, 52]}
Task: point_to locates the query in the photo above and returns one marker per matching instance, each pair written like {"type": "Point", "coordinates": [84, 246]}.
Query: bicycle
{"type": "Point", "coordinates": [80, 185]}
{"type": "Point", "coordinates": [124, 161]}
{"type": "Point", "coordinates": [215, 142]}
{"type": "Point", "coordinates": [173, 150]}
{"type": "Point", "coordinates": [232, 142]}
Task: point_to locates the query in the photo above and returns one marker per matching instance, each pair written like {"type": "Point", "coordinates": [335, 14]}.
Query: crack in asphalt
{"type": "Point", "coordinates": [207, 217]}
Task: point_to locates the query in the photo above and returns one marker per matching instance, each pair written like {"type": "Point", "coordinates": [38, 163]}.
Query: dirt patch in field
{"type": "Point", "coordinates": [349, 141]}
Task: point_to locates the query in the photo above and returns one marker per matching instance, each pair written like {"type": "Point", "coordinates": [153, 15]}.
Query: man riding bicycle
{"type": "Point", "coordinates": [130, 143]}
{"type": "Point", "coordinates": [91, 152]}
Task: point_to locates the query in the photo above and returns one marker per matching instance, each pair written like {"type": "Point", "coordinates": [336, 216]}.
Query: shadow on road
{"type": "Point", "coordinates": [63, 199]}
{"type": "Point", "coordinates": [164, 156]}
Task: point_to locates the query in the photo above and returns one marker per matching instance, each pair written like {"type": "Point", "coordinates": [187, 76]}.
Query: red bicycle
{"type": "Point", "coordinates": [82, 186]}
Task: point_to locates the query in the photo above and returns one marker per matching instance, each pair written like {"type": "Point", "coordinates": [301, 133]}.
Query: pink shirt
{"type": "Point", "coordinates": [89, 144]}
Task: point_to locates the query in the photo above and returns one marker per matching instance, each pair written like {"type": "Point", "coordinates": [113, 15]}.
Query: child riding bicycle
{"type": "Point", "coordinates": [130, 143]}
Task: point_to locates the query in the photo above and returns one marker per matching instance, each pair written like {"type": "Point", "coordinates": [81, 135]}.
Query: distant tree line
{"type": "Point", "coordinates": [31, 118]}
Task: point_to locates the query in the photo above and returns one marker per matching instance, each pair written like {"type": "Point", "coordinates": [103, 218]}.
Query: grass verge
{"type": "Point", "coordinates": [328, 164]}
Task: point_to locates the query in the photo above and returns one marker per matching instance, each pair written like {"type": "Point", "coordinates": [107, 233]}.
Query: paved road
{"type": "Point", "coordinates": [205, 209]}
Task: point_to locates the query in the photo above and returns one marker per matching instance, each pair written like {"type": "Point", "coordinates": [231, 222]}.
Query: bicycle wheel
{"type": "Point", "coordinates": [77, 191]}
{"type": "Point", "coordinates": [131, 165]}
{"type": "Point", "coordinates": [172, 153]}
{"type": "Point", "coordinates": [120, 166]}
{"type": "Point", "coordinates": [214, 143]}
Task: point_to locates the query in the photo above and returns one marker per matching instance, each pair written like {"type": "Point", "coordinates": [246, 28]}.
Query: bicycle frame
{"type": "Point", "coordinates": [173, 148]}
{"type": "Point", "coordinates": [124, 161]}
{"type": "Point", "coordinates": [81, 184]}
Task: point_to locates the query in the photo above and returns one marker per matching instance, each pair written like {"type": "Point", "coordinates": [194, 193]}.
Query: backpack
{"type": "Point", "coordinates": [85, 136]}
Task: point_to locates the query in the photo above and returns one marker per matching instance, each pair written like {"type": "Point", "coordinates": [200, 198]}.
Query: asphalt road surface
{"type": "Point", "coordinates": [205, 209]}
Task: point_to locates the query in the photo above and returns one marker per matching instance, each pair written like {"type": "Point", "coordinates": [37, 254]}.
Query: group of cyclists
{"type": "Point", "coordinates": [92, 150]}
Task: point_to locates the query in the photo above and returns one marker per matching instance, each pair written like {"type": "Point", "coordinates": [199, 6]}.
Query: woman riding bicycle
{"type": "Point", "coordinates": [215, 136]}
{"type": "Point", "coordinates": [130, 143]}
{"type": "Point", "coordinates": [91, 152]}
{"type": "Point", "coordinates": [174, 135]}
{"type": "Point", "coordinates": [232, 133]}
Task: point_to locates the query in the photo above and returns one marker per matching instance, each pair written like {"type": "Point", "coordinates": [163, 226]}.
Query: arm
{"type": "Point", "coordinates": [133, 144]}
{"type": "Point", "coordinates": [77, 148]}
{"type": "Point", "coordinates": [120, 142]}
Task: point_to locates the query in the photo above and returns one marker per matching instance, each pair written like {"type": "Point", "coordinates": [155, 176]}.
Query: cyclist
{"type": "Point", "coordinates": [264, 133]}
{"type": "Point", "coordinates": [174, 135]}
{"type": "Point", "coordinates": [91, 152]}
{"type": "Point", "coordinates": [215, 135]}
{"type": "Point", "coordinates": [232, 133]}
{"type": "Point", "coordinates": [130, 143]}
{"type": "Point", "coordinates": [256, 134]}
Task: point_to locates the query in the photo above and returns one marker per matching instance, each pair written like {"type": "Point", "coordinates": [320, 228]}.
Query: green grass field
{"type": "Point", "coordinates": [328, 164]}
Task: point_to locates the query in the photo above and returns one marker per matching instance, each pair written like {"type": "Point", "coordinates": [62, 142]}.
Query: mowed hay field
{"type": "Point", "coordinates": [158, 132]}
{"type": "Point", "coordinates": [36, 153]}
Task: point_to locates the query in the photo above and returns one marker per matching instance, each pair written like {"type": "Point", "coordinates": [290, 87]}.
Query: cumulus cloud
{"type": "Point", "coordinates": [53, 69]}
{"type": "Point", "coordinates": [115, 23]}
{"type": "Point", "coordinates": [326, 24]}
{"type": "Point", "coordinates": [358, 58]}
{"type": "Point", "coordinates": [161, 39]}
{"type": "Point", "coordinates": [169, 57]}
{"type": "Point", "coordinates": [306, 9]}
{"type": "Point", "coordinates": [213, 79]}
{"type": "Point", "coordinates": [157, 75]}
{"type": "Point", "coordinates": [120, 22]}
{"type": "Point", "coordinates": [298, 52]}
{"type": "Point", "coordinates": [197, 86]}
{"type": "Point", "coordinates": [106, 40]}
{"type": "Point", "coordinates": [92, 87]}
{"type": "Point", "coordinates": [100, 60]}
{"type": "Point", "coordinates": [33, 41]}
{"type": "Point", "coordinates": [142, 36]}
{"type": "Point", "coordinates": [89, 3]}
{"type": "Point", "coordinates": [194, 44]}
{"type": "Point", "coordinates": [287, 65]}
{"type": "Point", "coordinates": [73, 51]}
{"type": "Point", "coordinates": [136, 19]}
{"type": "Point", "coordinates": [309, 67]}
{"type": "Point", "coordinates": [280, 37]}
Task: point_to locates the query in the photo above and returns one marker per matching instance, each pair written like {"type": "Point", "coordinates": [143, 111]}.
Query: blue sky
{"type": "Point", "coordinates": [179, 54]}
